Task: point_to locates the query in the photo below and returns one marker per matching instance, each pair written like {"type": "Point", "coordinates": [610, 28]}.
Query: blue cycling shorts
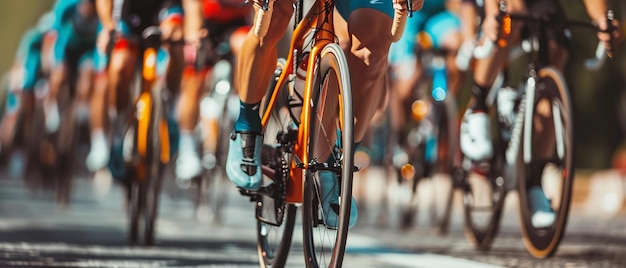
{"type": "Point", "coordinates": [169, 10]}
{"type": "Point", "coordinates": [345, 7]}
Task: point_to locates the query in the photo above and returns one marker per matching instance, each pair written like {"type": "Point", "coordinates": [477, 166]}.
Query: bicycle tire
{"type": "Point", "coordinates": [543, 242]}
{"type": "Point", "coordinates": [327, 107]}
{"type": "Point", "coordinates": [155, 166]}
{"type": "Point", "coordinates": [66, 145]}
{"type": "Point", "coordinates": [134, 210]}
{"type": "Point", "coordinates": [274, 241]}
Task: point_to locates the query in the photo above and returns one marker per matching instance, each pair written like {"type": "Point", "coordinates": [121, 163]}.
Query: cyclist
{"type": "Point", "coordinates": [366, 45]}
{"type": "Point", "coordinates": [475, 137]}
{"type": "Point", "coordinates": [220, 20]}
{"type": "Point", "coordinates": [438, 19]}
{"type": "Point", "coordinates": [111, 85]}
{"type": "Point", "coordinates": [71, 41]}
{"type": "Point", "coordinates": [23, 77]}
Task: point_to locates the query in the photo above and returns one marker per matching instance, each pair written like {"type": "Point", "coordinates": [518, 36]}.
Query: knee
{"type": "Point", "coordinates": [171, 31]}
{"type": "Point", "coordinates": [120, 62]}
{"type": "Point", "coordinates": [452, 42]}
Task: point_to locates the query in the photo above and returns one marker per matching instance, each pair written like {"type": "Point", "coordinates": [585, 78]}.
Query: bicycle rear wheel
{"type": "Point", "coordinates": [275, 218]}
{"type": "Point", "coordinates": [555, 155]}
{"type": "Point", "coordinates": [154, 167]}
{"type": "Point", "coordinates": [330, 132]}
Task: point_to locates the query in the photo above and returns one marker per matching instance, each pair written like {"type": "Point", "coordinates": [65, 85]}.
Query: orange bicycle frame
{"type": "Point", "coordinates": [144, 106]}
{"type": "Point", "coordinates": [320, 20]}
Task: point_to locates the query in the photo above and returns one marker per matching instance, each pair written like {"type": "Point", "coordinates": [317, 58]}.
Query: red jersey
{"type": "Point", "coordinates": [223, 11]}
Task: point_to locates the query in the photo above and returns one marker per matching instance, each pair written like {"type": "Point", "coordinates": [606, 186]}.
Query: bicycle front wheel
{"type": "Point", "coordinates": [550, 164]}
{"type": "Point", "coordinates": [330, 141]}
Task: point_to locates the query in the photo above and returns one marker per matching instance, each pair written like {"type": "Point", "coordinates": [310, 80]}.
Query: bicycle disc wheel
{"type": "Point", "coordinates": [555, 156]}
{"type": "Point", "coordinates": [331, 136]}
{"type": "Point", "coordinates": [275, 218]}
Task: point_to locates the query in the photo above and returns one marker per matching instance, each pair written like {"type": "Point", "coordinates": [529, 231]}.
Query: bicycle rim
{"type": "Point", "coordinates": [330, 132]}
{"type": "Point", "coordinates": [274, 240]}
{"type": "Point", "coordinates": [557, 175]}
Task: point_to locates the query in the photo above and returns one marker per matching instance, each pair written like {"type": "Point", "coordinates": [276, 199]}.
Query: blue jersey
{"type": "Point", "coordinates": [64, 10]}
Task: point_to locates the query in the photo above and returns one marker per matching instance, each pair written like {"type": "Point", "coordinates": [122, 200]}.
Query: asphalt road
{"type": "Point", "coordinates": [91, 232]}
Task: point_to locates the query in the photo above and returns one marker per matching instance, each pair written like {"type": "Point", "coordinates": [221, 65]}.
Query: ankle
{"type": "Point", "coordinates": [479, 94]}
{"type": "Point", "coordinates": [249, 119]}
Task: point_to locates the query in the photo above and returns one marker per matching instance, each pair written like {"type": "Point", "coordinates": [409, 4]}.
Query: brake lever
{"type": "Point", "coordinates": [610, 28]}
{"type": "Point", "coordinates": [409, 5]}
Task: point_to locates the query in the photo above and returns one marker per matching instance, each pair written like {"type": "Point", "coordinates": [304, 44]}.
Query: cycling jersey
{"type": "Point", "coordinates": [434, 20]}
{"type": "Point", "coordinates": [140, 14]}
{"type": "Point", "coordinates": [75, 32]}
{"type": "Point", "coordinates": [223, 11]}
{"type": "Point", "coordinates": [29, 57]}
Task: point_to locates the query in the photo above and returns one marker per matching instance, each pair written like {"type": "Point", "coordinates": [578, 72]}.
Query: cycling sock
{"type": "Point", "coordinates": [186, 142]}
{"type": "Point", "coordinates": [480, 95]}
{"type": "Point", "coordinates": [249, 119]}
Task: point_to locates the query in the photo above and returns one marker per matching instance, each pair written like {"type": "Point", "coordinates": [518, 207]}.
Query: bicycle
{"type": "Point", "coordinates": [148, 128]}
{"type": "Point", "coordinates": [431, 143]}
{"type": "Point", "coordinates": [516, 152]}
{"type": "Point", "coordinates": [292, 158]}
{"type": "Point", "coordinates": [217, 118]}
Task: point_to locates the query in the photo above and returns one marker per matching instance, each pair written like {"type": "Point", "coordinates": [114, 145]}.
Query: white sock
{"type": "Point", "coordinates": [186, 143]}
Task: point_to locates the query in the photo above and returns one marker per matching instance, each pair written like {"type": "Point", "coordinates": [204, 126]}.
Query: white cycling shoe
{"type": "Point", "coordinates": [542, 214]}
{"type": "Point", "coordinates": [476, 136]}
{"type": "Point", "coordinates": [188, 165]}
{"type": "Point", "coordinates": [52, 118]}
{"type": "Point", "coordinates": [99, 154]}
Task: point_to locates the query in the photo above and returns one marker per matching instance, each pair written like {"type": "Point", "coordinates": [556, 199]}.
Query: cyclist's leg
{"type": "Point", "coordinates": [57, 76]}
{"type": "Point", "coordinates": [188, 163]}
{"type": "Point", "coordinates": [212, 105]}
{"type": "Point", "coordinates": [255, 65]}
{"type": "Point", "coordinates": [22, 79]}
{"type": "Point", "coordinates": [475, 135]}
{"type": "Point", "coordinates": [366, 46]}
{"type": "Point", "coordinates": [104, 101]}
{"type": "Point", "coordinates": [84, 84]}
